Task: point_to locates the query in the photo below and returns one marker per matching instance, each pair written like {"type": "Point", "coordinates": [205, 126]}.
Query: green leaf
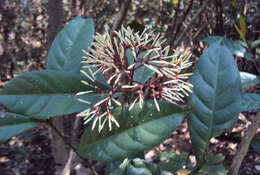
{"type": "Point", "coordinates": [13, 124]}
{"type": "Point", "coordinates": [234, 47]}
{"type": "Point", "coordinates": [255, 44]}
{"type": "Point", "coordinates": [215, 99]}
{"type": "Point", "coordinates": [174, 162]}
{"type": "Point", "coordinates": [250, 101]}
{"type": "Point", "coordinates": [255, 144]}
{"type": "Point", "coordinates": [248, 79]}
{"type": "Point", "coordinates": [66, 50]}
{"type": "Point", "coordinates": [140, 129]}
{"type": "Point", "coordinates": [215, 170]}
{"type": "Point", "coordinates": [214, 158]}
{"type": "Point", "coordinates": [138, 167]}
{"type": "Point", "coordinates": [143, 74]}
{"type": "Point", "coordinates": [45, 94]}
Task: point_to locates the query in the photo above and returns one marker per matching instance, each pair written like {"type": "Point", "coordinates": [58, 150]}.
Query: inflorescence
{"type": "Point", "coordinates": [119, 58]}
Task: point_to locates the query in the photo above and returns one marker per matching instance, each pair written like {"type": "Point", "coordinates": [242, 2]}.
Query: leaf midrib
{"type": "Point", "coordinates": [214, 99]}
{"type": "Point", "coordinates": [127, 130]}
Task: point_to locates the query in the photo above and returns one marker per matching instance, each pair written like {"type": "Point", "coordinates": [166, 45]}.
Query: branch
{"type": "Point", "coordinates": [190, 24]}
{"type": "Point", "coordinates": [243, 146]}
{"type": "Point", "coordinates": [180, 23]}
{"type": "Point", "coordinates": [49, 123]}
{"type": "Point", "coordinates": [121, 15]}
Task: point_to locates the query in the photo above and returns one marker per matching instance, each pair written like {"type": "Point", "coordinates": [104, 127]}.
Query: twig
{"type": "Point", "coordinates": [180, 24]}
{"type": "Point", "coordinates": [175, 17]}
{"type": "Point", "coordinates": [121, 15]}
{"type": "Point", "coordinates": [189, 25]}
{"type": "Point", "coordinates": [66, 169]}
{"type": "Point", "coordinates": [49, 123]}
{"type": "Point", "coordinates": [243, 146]}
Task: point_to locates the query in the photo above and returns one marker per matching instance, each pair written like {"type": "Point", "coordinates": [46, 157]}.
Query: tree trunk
{"type": "Point", "coordinates": [56, 16]}
{"type": "Point", "coordinates": [55, 24]}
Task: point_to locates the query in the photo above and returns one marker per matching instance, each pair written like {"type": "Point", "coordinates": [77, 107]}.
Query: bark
{"type": "Point", "coordinates": [55, 24]}
{"type": "Point", "coordinates": [56, 16]}
{"type": "Point", "coordinates": [121, 15]}
{"type": "Point", "coordinates": [219, 30]}
{"type": "Point", "coordinates": [243, 146]}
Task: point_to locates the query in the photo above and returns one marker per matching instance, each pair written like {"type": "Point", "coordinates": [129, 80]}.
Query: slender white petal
{"type": "Point", "coordinates": [156, 104]}
{"type": "Point", "coordinates": [94, 123]}
{"type": "Point", "coordinates": [84, 92]}
{"type": "Point", "coordinates": [132, 105]}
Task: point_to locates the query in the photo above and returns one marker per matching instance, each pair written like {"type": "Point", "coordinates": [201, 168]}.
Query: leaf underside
{"type": "Point", "coordinates": [248, 79]}
{"type": "Point", "coordinates": [139, 130]}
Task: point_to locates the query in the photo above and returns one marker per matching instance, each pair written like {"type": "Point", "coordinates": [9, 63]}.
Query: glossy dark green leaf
{"type": "Point", "coordinates": [45, 94]}
{"type": "Point", "coordinates": [66, 50]}
{"type": "Point", "coordinates": [250, 101]}
{"type": "Point", "coordinates": [13, 124]}
{"type": "Point", "coordinates": [234, 47]}
{"type": "Point", "coordinates": [140, 129]}
{"type": "Point", "coordinates": [216, 97]}
{"type": "Point", "coordinates": [248, 79]}
{"type": "Point", "coordinates": [138, 167]}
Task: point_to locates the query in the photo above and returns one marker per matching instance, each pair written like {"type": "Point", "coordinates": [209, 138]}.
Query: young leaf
{"type": "Point", "coordinates": [242, 26]}
{"type": "Point", "coordinates": [45, 94]}
{"type": "Point", "coordinates": [250, 101]}
{"type": "Point", "coordinates": [216, 97]}
{"type": "Point", "coordinates": [66, 50]}
{"type": "Point", "coordinates": [13, 124]}
{"type": "Point", "coordinates": [140, 129]}
{"type": "Point", "coordinates": [234, 47]}
{"type": "Point", "coordinates": [248, 79]}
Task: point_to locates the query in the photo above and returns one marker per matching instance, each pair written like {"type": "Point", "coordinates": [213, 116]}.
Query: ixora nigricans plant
{"type": "Point", "coordinates": [133, 82]}
{"type": "Point", "coordinates": [119, 58]}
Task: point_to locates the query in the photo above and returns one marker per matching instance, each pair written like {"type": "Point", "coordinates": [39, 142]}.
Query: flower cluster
{"type": "Point", "coordinates": [123, 59]}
